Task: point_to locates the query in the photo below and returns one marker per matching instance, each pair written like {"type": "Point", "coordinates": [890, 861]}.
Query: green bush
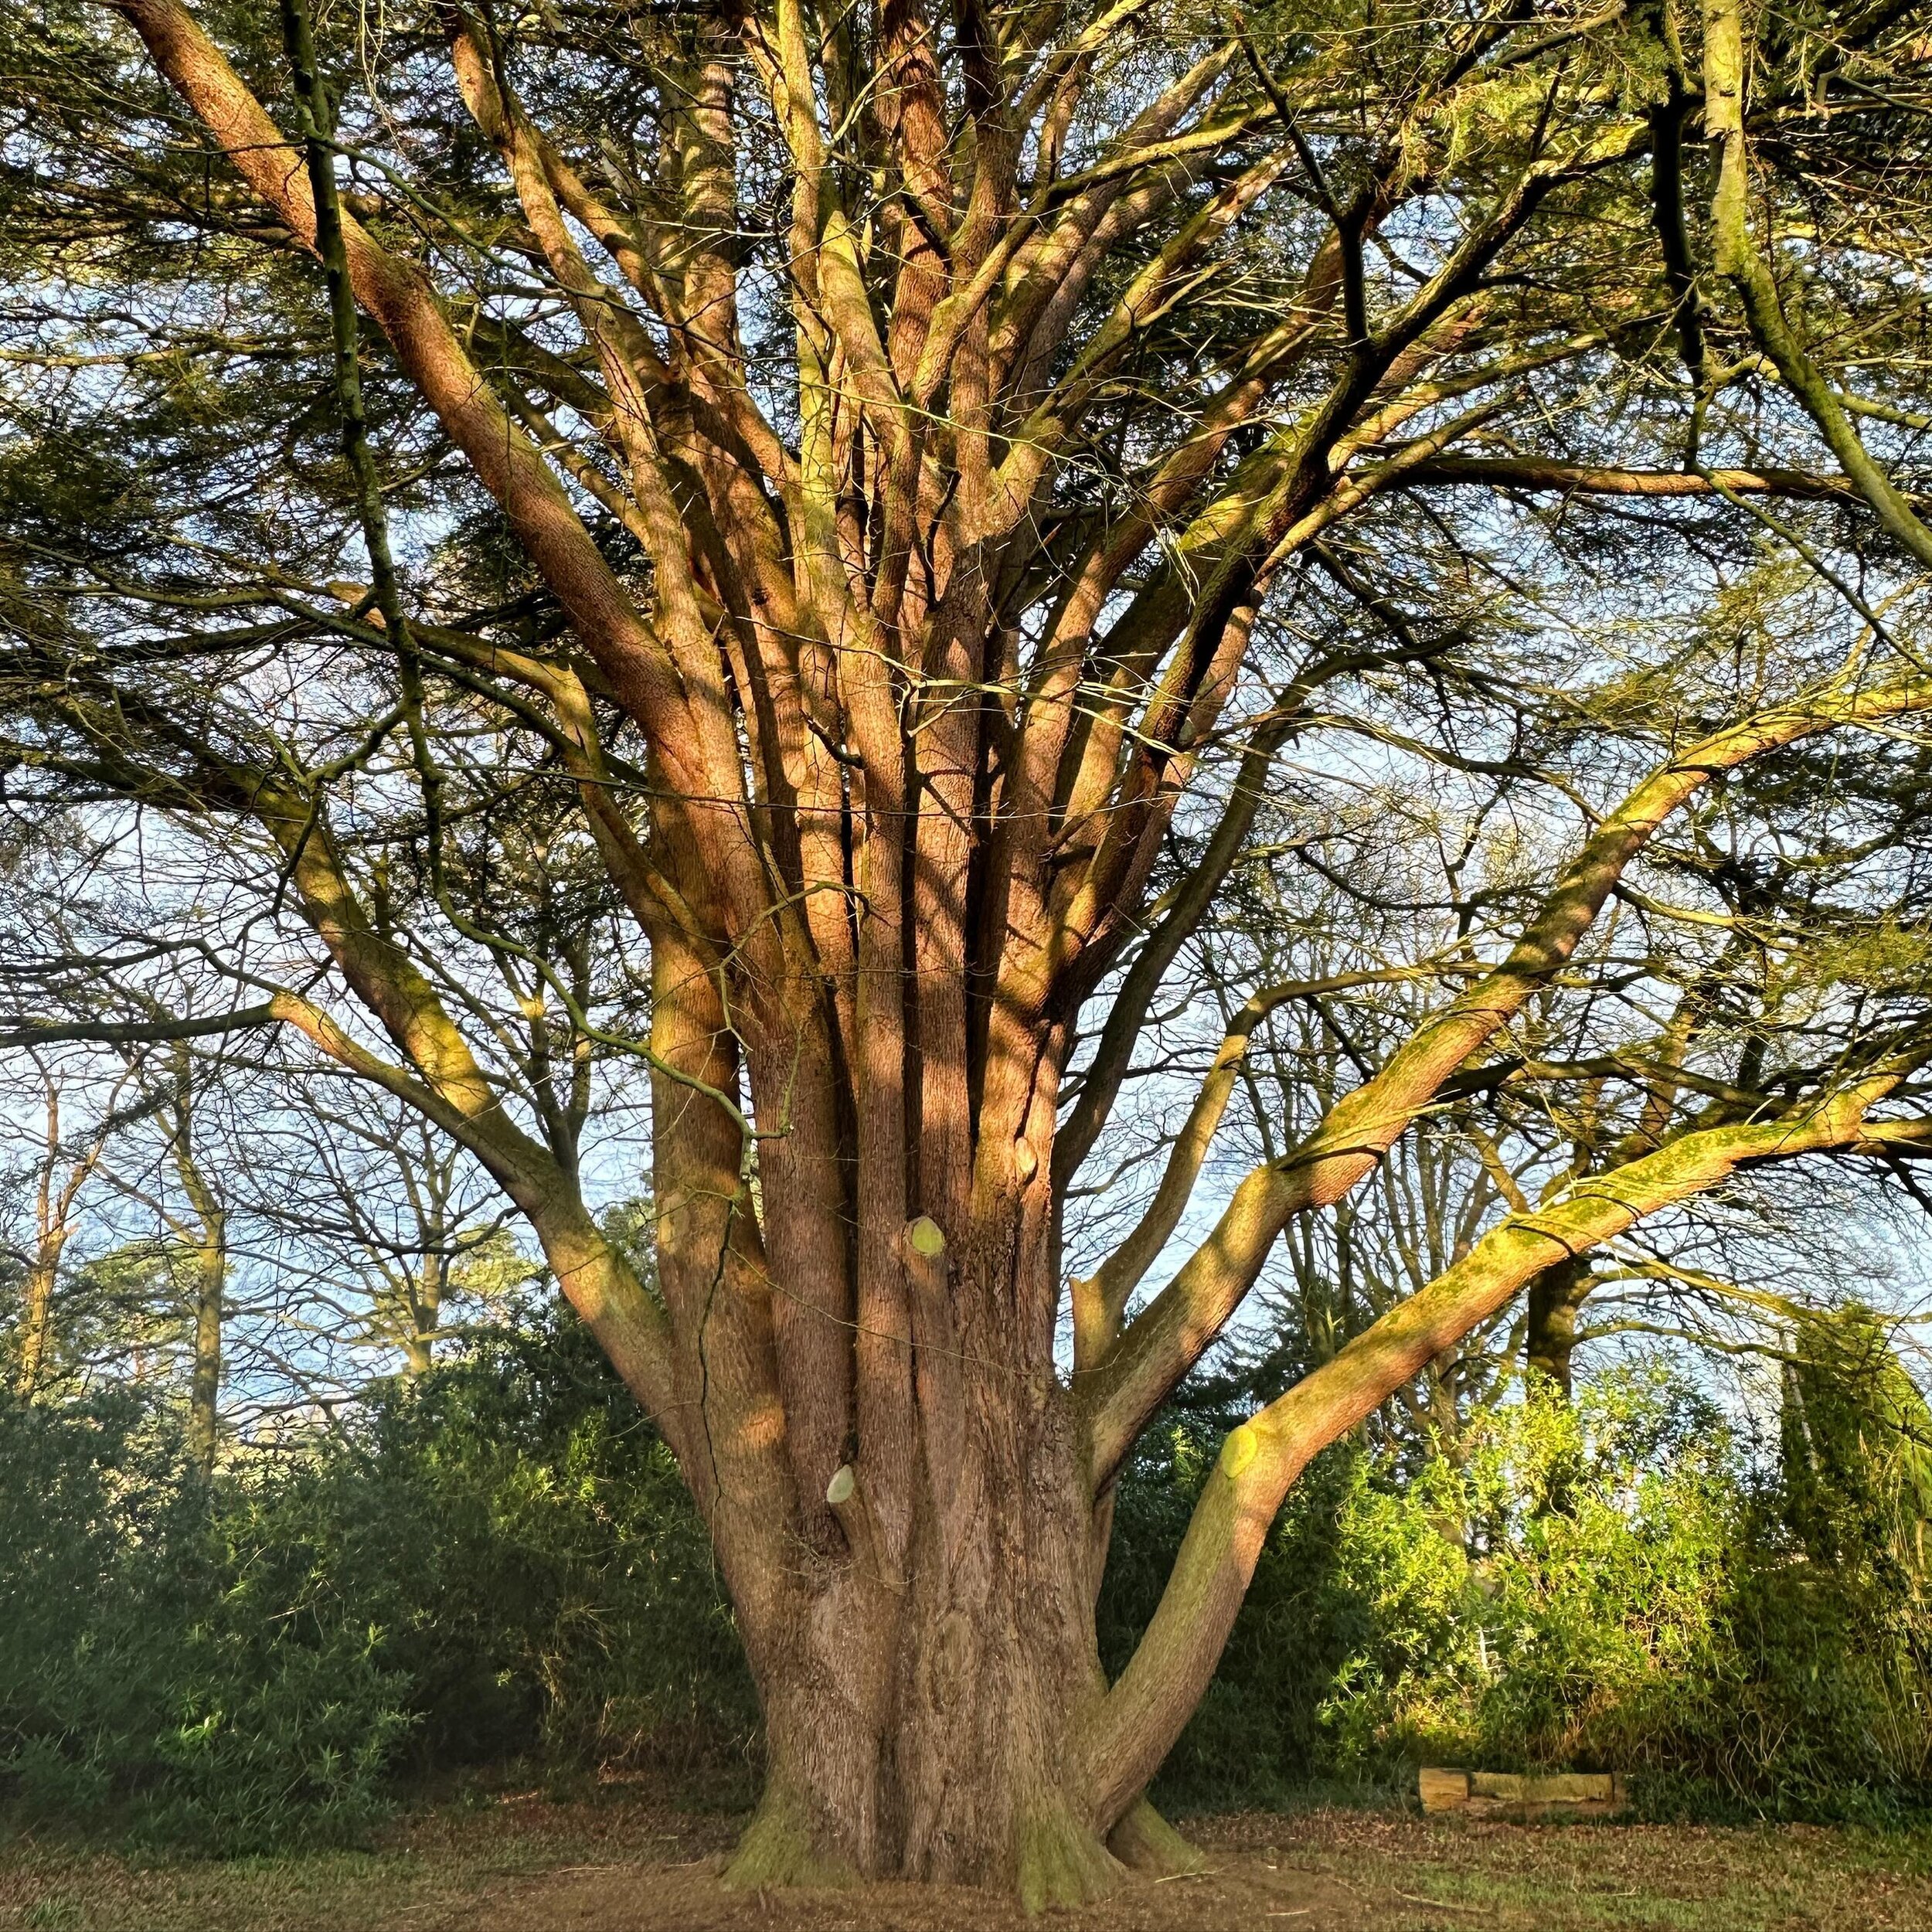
{"type": "Point", "coordinates": [1612, 1585]}
{"type": "Point", "coordinates": [144, 1674]}
{"type": "Point", "coordinates": [1544, 1600]}
{"type": "Point", "coordinates": [540, 1573]}
{"type": "Point", "coordinates": [495, 1562]}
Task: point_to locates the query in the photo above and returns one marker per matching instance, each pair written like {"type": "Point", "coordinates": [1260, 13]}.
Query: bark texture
{"type": "Point", "coordinates": [1555, 1300]}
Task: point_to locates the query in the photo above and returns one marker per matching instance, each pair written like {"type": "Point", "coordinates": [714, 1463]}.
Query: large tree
{"type": "Point", "coordinates": [821, 522]}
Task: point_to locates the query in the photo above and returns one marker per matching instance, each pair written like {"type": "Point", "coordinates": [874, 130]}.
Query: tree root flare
{"type": "Point", "coordinates": [1061, 1861]}
{"type": "Point", "coordinates": [1145, 1842]}
{"type": "Point", "coordinates": [781, 1848]}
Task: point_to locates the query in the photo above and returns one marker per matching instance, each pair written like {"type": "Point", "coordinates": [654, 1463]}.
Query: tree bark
{"type": "Point", "coordinates": [208, 1244]}
{"type": "Point", "coordinates": [36, 1325]}
{"type": "Point", "coordinates": [204, 1398]}
{"type": "Point", "coordinates": [424, 1310]}
{"type": "Point", "coordinates": [921, 1719]}
{"type": "Point", "coordinates": [1555, 1298]}
{"type": "Point", "coordinates": [54, 1218]}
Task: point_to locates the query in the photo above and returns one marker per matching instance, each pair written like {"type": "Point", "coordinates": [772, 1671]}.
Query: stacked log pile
{"type": "Point", "coordinates": [1510, 1794]}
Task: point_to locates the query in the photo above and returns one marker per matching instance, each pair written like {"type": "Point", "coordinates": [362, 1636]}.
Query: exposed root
{"type": "Point", "coordinates": [780, 1847]}
{"type": "Point", "coordinates": [1145, 1842]}
{"type": "Point", "coordinates": [1062, 1861]}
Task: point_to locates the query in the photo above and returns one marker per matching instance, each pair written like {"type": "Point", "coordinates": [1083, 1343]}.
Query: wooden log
{"type": "Point", "coordinates": [1569, 1788]}
{"type": "Point", "coordinates": [1442, 1790]}
{"type": "Point", "coordinates": [1507, 1793]}
{"type": "Point", "coordinates": [1559, 1788]}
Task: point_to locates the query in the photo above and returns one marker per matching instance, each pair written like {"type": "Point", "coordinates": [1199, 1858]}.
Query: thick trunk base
{"type": "Point", "coordinates": [782, 1846]}
{"type": "Point", "coordinates": [1057, 1861]}
{"type": "Point", "coordinates": [923, 1709]}
{"type": "Point", "coordinates": [1060, 1862]}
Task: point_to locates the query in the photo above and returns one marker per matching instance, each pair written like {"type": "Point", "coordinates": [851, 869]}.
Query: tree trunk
{"type": "Point", "coordinates": [204, 1398]}
{"type": "Point", "coordinates": [36, 1321]}
{"type": "Point", "coordinates": [1556, 1298]}
{"type": "Point", "coordinates": [53, 1225]}
{"type": "Point", "coordinates": [423, 1308]}
{"type": "Point", "coordinates": [920, 1722]}
{"type": "Point", "coordinates": [209, 1242]}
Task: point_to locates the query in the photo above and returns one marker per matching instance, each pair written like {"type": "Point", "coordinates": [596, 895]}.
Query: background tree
{"type": "Point", "coordinates": [51, 1188]}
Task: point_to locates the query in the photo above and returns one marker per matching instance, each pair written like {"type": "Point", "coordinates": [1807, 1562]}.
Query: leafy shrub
{"type": "Point", "coordinates": [1609, 1585]}
{"type": "Point", "coordinates": [540, 1573]}
{"type": "Point", "coordinates": [496, 1561]}
{"type": "Point", "coordinates": [143, 1672]}
{"type": "Point", "coordinates": [1552, 1593]}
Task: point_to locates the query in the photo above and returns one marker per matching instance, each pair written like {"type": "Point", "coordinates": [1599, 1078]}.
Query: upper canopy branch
{"type": "Point", "coordinates": [394, 294]}
{"type": "Point", "coordinates": [1156, 1349]}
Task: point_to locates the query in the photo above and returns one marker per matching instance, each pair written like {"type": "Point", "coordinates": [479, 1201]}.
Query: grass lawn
{"type": "Point", "coordinates": [627, 1862]}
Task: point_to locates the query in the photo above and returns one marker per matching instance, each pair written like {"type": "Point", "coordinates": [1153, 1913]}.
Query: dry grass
{"type": "Point", "coordinates": [630, 1862]}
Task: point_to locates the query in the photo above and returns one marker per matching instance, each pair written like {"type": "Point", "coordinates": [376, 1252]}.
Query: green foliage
{"type": "Point", "coordinates": [496, 1561]}
{"type": "Point", "coordinates": [541, 1573]}
{"type": "Point", "coordinates": [1544, 1602]}
{"type": "Point", "coordinates": [1608, 1586]}
{"type": "Point", "coordinates": [1857, 1451]}
{"type": "Point", "coordinates": [145, 1668]}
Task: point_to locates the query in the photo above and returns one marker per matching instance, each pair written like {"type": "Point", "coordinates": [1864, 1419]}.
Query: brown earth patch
{"type": "Point", "coordinates": [630, 1861]}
